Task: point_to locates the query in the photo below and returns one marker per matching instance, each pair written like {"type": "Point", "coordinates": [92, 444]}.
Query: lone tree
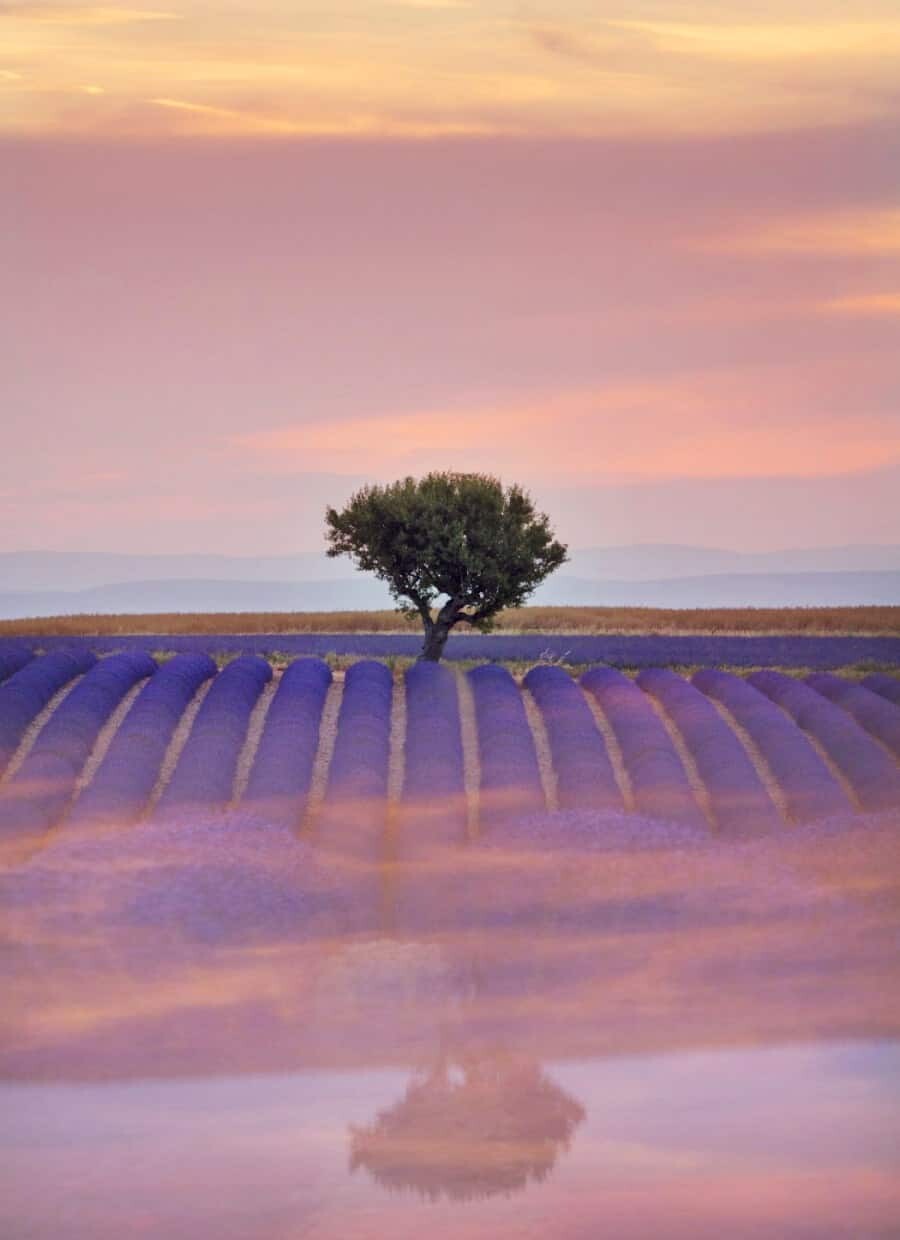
{"type": "Point", "coordinates": [461, 537]}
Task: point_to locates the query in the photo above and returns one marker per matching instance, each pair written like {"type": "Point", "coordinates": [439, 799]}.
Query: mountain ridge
{"type": "Point", "coordinates": [362, 593]}
{"type": "Point", "coordinates": [27, 571]}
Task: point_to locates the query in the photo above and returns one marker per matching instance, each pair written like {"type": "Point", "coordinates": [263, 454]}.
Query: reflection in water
{"type": "Point", "coordinates": [610, 993]}
{"type": "Point", "coordinates": [471, 1127]}
{"type": "Point", "coordinates": [770, 1143]}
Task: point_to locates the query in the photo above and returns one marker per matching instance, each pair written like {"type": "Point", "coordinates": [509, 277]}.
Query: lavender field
{"type": "Point", "coordinates": [822, 653]}
{"type": "Point", "coordinates": [383, 951]}
{"type": "Point", "coordinates": [364, 761]}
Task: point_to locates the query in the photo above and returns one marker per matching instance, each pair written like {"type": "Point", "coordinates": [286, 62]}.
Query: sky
{"type": "Point", "coordinates": [643, 258]}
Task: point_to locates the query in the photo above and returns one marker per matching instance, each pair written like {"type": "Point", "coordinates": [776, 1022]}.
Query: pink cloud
{"type": "Point", "coordinates": [372, 307]}
{"type": "Point", "coordinates": [695, 426]}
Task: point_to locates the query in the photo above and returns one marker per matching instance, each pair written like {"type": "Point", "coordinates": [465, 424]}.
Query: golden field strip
{"type": "Point", "coordinates": [845, 621]}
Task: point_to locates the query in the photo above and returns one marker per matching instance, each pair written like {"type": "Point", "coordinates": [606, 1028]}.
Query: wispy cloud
{"type": "Point", "coordinates": [563, 43]}
{"type": "Point", "coordinates": [847, 232]}
{"type": "Point", "coordinates": [428, 67]}
{"type": "Point", "coordinates": [91, 15]}
{"type": "Point", "coordinates": [233, 121]}
{"type": "Point", "coordinates": [777, 41]}
{"type": "Point", "coordinates": [429, 4]}
{"type": "Point", "coordinates": [230, 116]}
{"type": "Point", "coordinates": [700, 426]}
{"type": "Point", "coordinates": [866, 305]}
{"type": "Point", "coordinates": [597, 47]}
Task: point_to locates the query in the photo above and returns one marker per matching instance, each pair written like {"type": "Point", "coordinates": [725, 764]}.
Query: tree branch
{"type": "Point", "coordinates": [475, 617]}
{"type": "Point", "coordinates": [422, 608]}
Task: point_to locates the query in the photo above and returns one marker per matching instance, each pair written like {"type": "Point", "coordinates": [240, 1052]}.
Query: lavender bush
{"type": "Point", "coordinates": [510, 778]}
{"type": "Point", "coordinates": [879, 717]}
{"type": "Point", "coordinates": [122, 785]}
{"type": "Point", "coordinates": [207, 765]}
{"type": "Point", "coordinates": [584, 773]}
{"type": "Point", "coordinates": [12, 658]}
{"type": "Point", "coordinates": [282, 768]}
{"type": "Point", "coordinates": [658, 781]}
{"type": "Point", "coordinates": [873, 775]}
{"type": "Point", "coordinates": [885, 686]}
{"type": "Point", "coordinates": [617, 650]}
{"type": "Point", "coordinates": [434, 799]}
{"type": "Point", "coordinates": [810, 790]}
{"type": "Point", "coordinates": [353, 815]}
{"type": "Point", "coordinates": [36, 796]}
{"type": "Point", "coordinates": [25, 694]}
{"type": "Point", "coordinates": [739, 800]}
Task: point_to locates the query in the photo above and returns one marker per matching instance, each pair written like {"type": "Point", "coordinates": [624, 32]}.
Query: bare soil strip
{"type": "Point", "coordinates": [542, 748]}
{"type": "Point", "coordinates": [620, 770]}
{"type": "Point", "coordinates": [698, 787]}
{"type": "Point", "coordinates": [471, 761]}
{"type": "Point", "coordinates": [178, 742]}
{"type": "Point", "coordinates": [324, 750]}
{"type": "Point", "coordinates": [34, 729]}
{"type": "Point", "coordinates": [397, 760]}
{"type": "Point", "coordinates": [255, 726]}
{"type": "Point", "coordinates": [396, 772]}
{"type": "Point", "coordinates": [105, 739]}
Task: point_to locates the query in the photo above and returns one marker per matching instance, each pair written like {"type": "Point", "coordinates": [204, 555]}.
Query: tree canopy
{"type": "Point", "coordinates": [461, 537]}
{"type": "Point", "coordinates": [472, 1127]}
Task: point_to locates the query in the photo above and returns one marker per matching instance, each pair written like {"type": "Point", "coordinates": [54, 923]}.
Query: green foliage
{"type": "Point", "coordinates": [459, 536]}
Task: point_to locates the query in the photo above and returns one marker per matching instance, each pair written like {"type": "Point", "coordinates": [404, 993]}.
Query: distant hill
{"type": "Point", "coordinates": [729, 590]}
{"type": "Point", "coordinates": [659, 562]}
{"type": "Point", "coordinates": [75, 570]}
{"type": "Point", "coordinates": [27, 571]}
{"type": "Point", "coordinates": [362, 593]}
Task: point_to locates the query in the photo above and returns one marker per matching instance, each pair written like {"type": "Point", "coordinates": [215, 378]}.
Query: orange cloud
{"type": "Point", "coordinates": [702, 426]}
{"type": "Point", "coordinates": [91, 15]}
{"type": "Point", "coordinates": [234, 121]}
{"type": "Point", "coordinates": [873, 232]}
{"type": "Point", "coordinates": [865, 304]}
{"type": "Point", "coordinates": [778, 41]}
{"type": "Point", "coordinates": [468, 67]}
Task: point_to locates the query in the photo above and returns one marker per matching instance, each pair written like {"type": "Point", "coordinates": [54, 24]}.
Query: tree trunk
{"type": "Point", "coordinates": [435, 641]}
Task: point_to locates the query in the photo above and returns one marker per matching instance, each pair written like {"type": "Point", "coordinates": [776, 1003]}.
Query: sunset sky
{"type": "Point", "coordinates": [642, 257]}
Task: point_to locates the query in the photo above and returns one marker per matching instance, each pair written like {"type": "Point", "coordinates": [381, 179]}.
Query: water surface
{"type": "Point", "coordinates": [582, 1026]}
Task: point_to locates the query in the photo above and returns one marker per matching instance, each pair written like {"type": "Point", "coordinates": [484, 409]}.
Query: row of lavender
{"type": "Point", "coordinates": [661, 745]}
{"type": "Point", "coordinates": [650, 650]}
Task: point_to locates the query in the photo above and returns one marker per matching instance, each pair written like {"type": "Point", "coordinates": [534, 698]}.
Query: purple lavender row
{"type": "Point", "coordinates": [873, 776]}
{"type": "Point", "coordinates": [12, 659]}
{"type": "Point", "coordinates": [584, 773]}
{"type": "Point", "coordinates": [885, 686]}
{"type": "Point", "coordinates": [282, 768]}
{"type": "Point", "coordinates": [659, 783]}
{"type": "Point", "coordinates": [616, 650]}
{"type": "Point", "coordinates": [37, 795]}
{"type": "Point", "coordinates": [27, 692]}
{"type": "Point", "coordinates": [740, 803]}
{"type": "Point", "coordinates": [879, 717]}
{"type": "Point", "coordinates": [810, 790]}
{"type": "Point", "coordinates": [355, 807]}
{"type": "Point", "coordinates": [510, 777]}
{"type": "Point", "coordinates": [122, 785]}
{"type": "Point", "coordinates": [204, 775]}
{"type": "Point", "coordinates": [434, 792]}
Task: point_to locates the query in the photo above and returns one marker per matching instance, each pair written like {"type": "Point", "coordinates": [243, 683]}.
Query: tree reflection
{"type": "Point", "coordinates": [470, 1127]}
